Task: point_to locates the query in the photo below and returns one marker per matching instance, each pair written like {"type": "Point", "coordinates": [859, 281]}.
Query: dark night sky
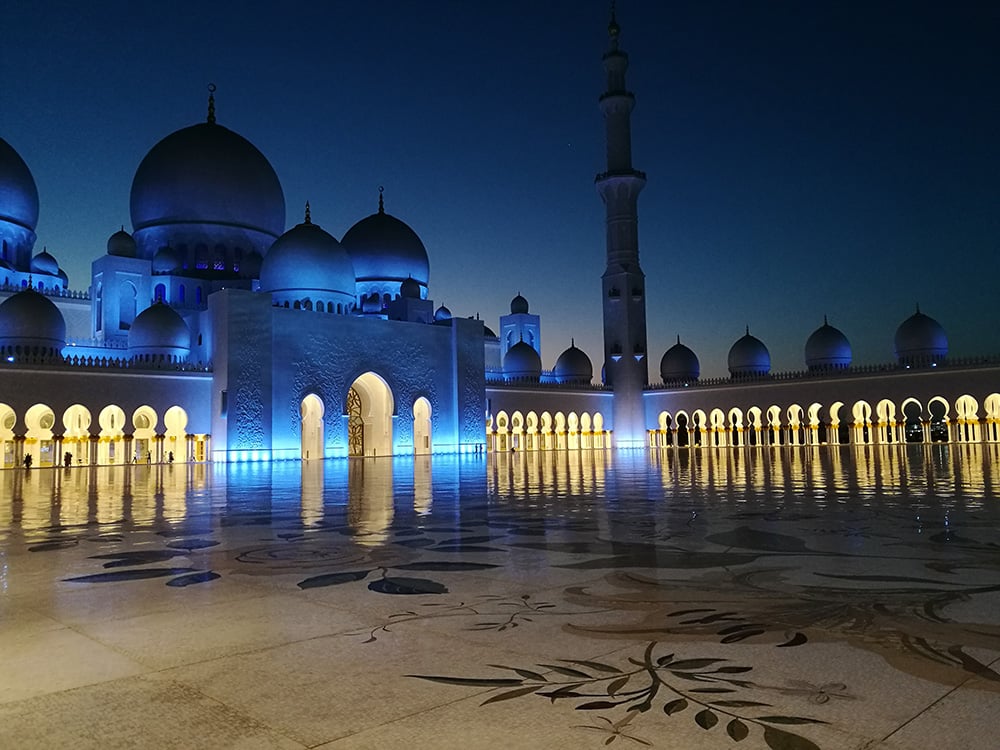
{"type": "Point", "coordinates": [802, 158]}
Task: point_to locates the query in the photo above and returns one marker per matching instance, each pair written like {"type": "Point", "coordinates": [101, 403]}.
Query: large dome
{"type": "Point", "coordinates": [679, 364]}
{"type": "Point", "coordinates": [18, 207]}
{"type": "Point", "coordinates": [572, 366]}
{"type": "Point", "coordinates": [920, 340]}
{"type": "Point", "coordinates": [386, 252]}
{"type": "Point", "coordinates": [828, 349]}
{"type": "Point", "coordinates": [31, 321]}
{"type": "Point", "coordinates": [207, 185]}
{"type": "Point", "coordinates": [522, 363]}
{"type": "Point", "coordinates": [159, 332]}
{"type": "Point", "coordinates": [307, 263]}
{"type": "Point", "coordinates": [748, 356]}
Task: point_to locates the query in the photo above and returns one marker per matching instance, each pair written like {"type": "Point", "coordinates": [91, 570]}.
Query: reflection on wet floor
{"type": "Point", "coordinates": [761, 589]}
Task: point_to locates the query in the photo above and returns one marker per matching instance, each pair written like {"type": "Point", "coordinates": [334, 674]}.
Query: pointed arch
{"type": "Point", "coordinates": [312, 410]}
{"type": "Point", "coordinates": [422, 444]}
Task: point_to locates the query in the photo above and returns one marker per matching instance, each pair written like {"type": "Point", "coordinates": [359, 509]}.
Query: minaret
{"type": "Point", "coordinates": [624, 284]}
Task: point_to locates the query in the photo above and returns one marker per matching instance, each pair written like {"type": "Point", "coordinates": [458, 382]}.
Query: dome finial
{"type": "Point", "coordinates": [381, 203]}
{"type": "Point", "coordinates": [918, 308]}
{"type": "Point", "coordinates": [308, 214]}
{"type": "Point", "coordinates": [824, 320]}
{"type": "Point", "coordinates": [572, 342]}
{"type": "Point", "coordinates": [678, 338]}
{"type": "Point", "coordinates": [211, 104]}
{"type": "Point", "coordinates": [748, 330]}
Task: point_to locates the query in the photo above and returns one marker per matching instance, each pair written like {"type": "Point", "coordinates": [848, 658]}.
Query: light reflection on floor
{"type": "Point", "coordinates": [811, 597]}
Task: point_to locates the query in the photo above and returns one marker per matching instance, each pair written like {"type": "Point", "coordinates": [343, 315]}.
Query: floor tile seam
{"type": "Point", "coordinates": [398, 719]}
{"type": "Point", "coordinates": [925, 709]}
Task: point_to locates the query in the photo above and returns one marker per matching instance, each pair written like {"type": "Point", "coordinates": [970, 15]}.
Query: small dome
{"type": "Point", "coordinates": [45, 264]}
{"type": "Point", "coordinates": [166, 260]}
{"type": "Point", "coordinates": [371, 304]}
{"type": "Point", "coordinates": [251, 265]}
{"type": "Point", "coordinates": [749, 356]}
{"type": "Point", "coordinates": [410, 288]}
{"type": "Point", "coordinates": [920, 340]}
{"type": "Point", "coordinates": [386, 252]}
{"type": "Point", "coordinates": [522, 363]}
{"type": "Point", "coordinates": [488, 332]}
{"type": "Point", "coordinates": [18, 193]}
{"type": "Point", "coordinates": [679, 364]}
{"type": "Point", "coordinates": [828, 349]}
{"type": "Point", "coordinates": [441, 314]}
{"type": "Point", "coordinates": [307, 261]}
{"type": "Point", "coordinates": [30, 320]}
{"type": "Point", "coordinates": [572, 366]}
{"type": "Point", "coordinates": [121, 244]}
{"type": "Point", "coordinates": [519, 305]}
{"type": "Point", "coordinates": [159, 330]}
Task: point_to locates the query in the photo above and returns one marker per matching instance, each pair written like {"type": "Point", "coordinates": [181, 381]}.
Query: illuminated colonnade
{"type": "Point", "coordinates": [112, 438]}
{"type": "Point", "coordinates": [546, 431]}
{"type": "Point", "coordinates": [935, 420]}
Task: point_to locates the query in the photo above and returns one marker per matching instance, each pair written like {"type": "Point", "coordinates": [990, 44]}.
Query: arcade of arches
{"type": "Point", "coordinates": [113, 437]}
{"type": "Point", "coordinates": [911, 421]}
{"type": "Point", "coordinates": [557, 431]}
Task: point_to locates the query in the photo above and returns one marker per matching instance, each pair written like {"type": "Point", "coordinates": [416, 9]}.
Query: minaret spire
{"type": "Point", "coordinates": [211, 104]}
{"type": "Point", "coordinates": [625, 365]}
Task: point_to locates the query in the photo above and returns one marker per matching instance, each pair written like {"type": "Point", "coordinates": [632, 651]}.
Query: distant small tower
{"type": "Point", "coordinates": [623, 284]}
{"type": "Point", "coordinates": [520, 326]}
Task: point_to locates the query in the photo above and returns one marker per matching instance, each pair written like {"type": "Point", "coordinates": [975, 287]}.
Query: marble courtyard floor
{"type": "Point", "coordinates": [790, 599]}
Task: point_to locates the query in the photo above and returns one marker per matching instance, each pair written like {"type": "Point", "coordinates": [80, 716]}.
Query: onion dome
{"type": "Point", "coordinates": [573, 365]}
{"type": "Point", "coordinates": [920, 340]}
{"type": "Point", "coordinates": [121, 244]}
{"type": "Point", "coordinates": [386, 252]}
{"type": "Point", "coordinates": [45, 264]}
{"type": "Point", "coordinates": [410, 288]}
{"type": "Point", "coordinates": [205, 184]}
{"type": "Point", "coordinates": [442, 314]}
{"type": "Point", "coordinates": [748, 356]}
{"type": "Point", "coordinates": [827, 349]}
{"type": "Point", "coordinates": [519, 305]}
{"type": "Point", "coordinates": [30, 324]}
{"type": "Point", "coordinates": [166, 260]}
{"type": "Point", "coordinates": [308, 263]}
{"type": "Point", "coordinates": [680, 364]}
{"type": "Point", "coordinates": [251, 265]}
{"type": "Point", "coordinates": [18, 205]}
{"type": "Point", "coordinates": [159, 333]}
{"type": "Point", "coordinates": [522, 363]}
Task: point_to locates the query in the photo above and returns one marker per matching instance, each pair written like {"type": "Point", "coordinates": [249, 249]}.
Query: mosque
{"type": "Point", "coordinates": [212, 332]}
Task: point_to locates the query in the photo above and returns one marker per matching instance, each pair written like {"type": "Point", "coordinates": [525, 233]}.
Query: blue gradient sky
{"type": "Point", "coordinates": [802, 158]}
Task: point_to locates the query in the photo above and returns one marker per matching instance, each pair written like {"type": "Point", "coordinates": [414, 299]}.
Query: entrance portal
{"type": "Point", "coordinates": [369, 417]}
